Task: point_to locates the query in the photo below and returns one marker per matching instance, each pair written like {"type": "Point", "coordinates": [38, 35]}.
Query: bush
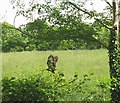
{"type": "Point", "coordinates": [46, 86]}
{"type": "Point", "coordinates": [38, 87]}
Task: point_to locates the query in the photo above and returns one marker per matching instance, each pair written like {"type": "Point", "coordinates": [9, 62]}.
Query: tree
{"type": "Point", "coordinates": [114, 46]}
{"type": "Point", "coordinates": [114, 53]}
{"type": "Point", "coordinates": [66, 19]}
{"type": "Point", "coordinates": [12, 39]}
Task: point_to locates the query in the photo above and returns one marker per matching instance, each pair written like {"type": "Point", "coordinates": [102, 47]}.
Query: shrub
{"type": "Point", "coordinates": [39, 87]}
{"type": "Point", "coordinates": [46, 86]}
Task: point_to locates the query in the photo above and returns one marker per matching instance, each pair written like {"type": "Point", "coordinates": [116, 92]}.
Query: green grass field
{"type": "Point", "coordinates": [70, 62]}
{"type": "Point", "coordinates": [81, 62]}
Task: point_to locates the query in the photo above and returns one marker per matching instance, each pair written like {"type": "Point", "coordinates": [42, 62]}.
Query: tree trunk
{"type": "Point", "coordinates": [114, 54]}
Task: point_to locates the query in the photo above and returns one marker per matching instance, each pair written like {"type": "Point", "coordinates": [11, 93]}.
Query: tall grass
{"type": "Point", "coordinates": [79, 62]}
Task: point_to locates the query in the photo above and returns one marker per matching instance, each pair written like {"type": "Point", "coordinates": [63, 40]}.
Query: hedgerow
{"type": "Point", "coordinates": [46, 86]}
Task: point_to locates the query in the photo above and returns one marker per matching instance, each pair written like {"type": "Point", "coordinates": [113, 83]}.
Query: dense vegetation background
{"type": "Point", "coordinates": [62, 29]}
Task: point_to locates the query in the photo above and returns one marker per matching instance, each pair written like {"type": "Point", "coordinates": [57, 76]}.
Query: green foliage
{"type": "Point", "coordinates": [61, 29]}
{"type": "Point", "coordinates": [46, 86]}
{"type": "Point", "coordinates": [40, 87]}
{"type": "Point", "coordinates": [38, 35]}
{"type": "Point", "coordinates": [102, 34]}
{"type": "Point", "coordinates": [67, 45]}
{"type": "Point", "coordinates": [12, 40]}
{"type": "Point", "coordinates": [114, 63]}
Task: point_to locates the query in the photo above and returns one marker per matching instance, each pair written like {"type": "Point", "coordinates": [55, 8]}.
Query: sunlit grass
{"type": "Point", "coordinates": [81, 62]}
{"type": "Point", "coordinates": [70, 62]}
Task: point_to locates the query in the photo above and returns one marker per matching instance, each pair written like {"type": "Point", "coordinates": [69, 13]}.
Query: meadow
{"type": "Point", "coordinates": [80, 62]}
{"type": "Point", "coordinates": [20, 64]}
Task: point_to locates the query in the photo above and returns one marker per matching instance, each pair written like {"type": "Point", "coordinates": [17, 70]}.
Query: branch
{"type": "Point", "coordinates": [100, 43]}
{"type": "Point", "coordinates": [61, 38]}
{"type": "Point", "coordinates": [86, 12]}
{"type": "Point", "coordinates": [15, 18]}
{"type": "Point", "coordinates": [92, 39]}
{"type": "Point", "coordinates": [108, 3]}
